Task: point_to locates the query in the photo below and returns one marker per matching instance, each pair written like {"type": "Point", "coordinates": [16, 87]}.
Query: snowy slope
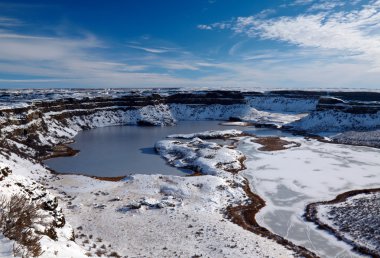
{"type": "Point", "coordinates": [336, 121]}
{"type": "Point", "coordinates": [53, 219]}
{"type": "Point", "coordinates": [366, 138]}
{"type": "Point", "coordinates": [283, 104]}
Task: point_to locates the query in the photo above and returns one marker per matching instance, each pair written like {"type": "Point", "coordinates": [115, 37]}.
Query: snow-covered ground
{"type": "Point", "coordinates": [336, 121]}
{"type": "Point", "coordinates": [283, 104]}
{"type": "Point", "coordinates": [24, 179]}
{"type": "Point", "coordinates": [6, 247]}
{"type": "Point", "coordinates": [201, 156]}
{"type": "Point", "coordinates": [193, 226]}
{"type": "Point", "coordinates": [209, 134]}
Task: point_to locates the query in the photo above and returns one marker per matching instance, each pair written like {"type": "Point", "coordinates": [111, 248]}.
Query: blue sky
{"type": "Point", "coordinates": [199, 43]}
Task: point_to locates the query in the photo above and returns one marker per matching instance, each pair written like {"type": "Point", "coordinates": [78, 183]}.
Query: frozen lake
{"type": "Point", "coordinates": [289, 180]}
{"type": "Point", "coordinates": [123, 150]}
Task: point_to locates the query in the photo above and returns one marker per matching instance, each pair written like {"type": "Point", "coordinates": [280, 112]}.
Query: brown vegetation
{"type": "Point", "coordinates": [274, 143]}
{"type": "Point", "coordinates": [17, 215]}
{"type": "Point", "coordinates": [111, 179]}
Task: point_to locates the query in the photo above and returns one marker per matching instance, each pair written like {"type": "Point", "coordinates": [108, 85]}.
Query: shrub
{"type": "Point", "coordinates": [17, 216]}
{"type": "Point", "coordinates": [4, 172]}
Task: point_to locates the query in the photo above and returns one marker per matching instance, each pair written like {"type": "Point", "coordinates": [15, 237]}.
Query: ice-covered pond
{"type": "Point", "coordinates": [123, 150]}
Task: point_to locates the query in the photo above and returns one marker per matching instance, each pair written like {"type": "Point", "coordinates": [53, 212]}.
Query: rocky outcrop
{"type": "Point", "coordinates": [352, 107]}
{"type": "Point", "coordinates": [350, 112]}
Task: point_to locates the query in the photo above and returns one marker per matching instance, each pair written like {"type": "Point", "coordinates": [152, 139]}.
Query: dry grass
{"type": "Point", "coordinates": [17, 215]}
{"type": "Point", "coordinates": [274, 143]}
{"type": "Point", "coordinates": [111, 179]}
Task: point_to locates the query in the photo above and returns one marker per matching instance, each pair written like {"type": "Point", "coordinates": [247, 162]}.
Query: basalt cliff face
{"type": "Point", "coordinates": [41, 124]}
{"type": "Point", "coordinates": [38, 126]}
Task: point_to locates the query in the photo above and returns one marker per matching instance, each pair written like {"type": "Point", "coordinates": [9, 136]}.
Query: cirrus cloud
{"type": "Point", "coordinates": [354, 33]}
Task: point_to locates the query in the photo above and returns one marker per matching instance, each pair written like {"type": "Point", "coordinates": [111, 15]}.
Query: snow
{"type": "Point", "coordinates": [283, 104]}
{"type": "Point", "coordinates": [367, 138]}
{"type": "Point", "coordinates": [336, 121]}
{"type": "Point", "coordinates": [6, 247]}
{"type": "Point", "coordinates": [225, 112]}
{"type": "Point", "coordinates": [31, 189]}
{"type": "Point", "coordinates": [235, 123]}
{"type": "Point", "coordinates": [205, 157]}
{"type": "Point", "coordinates": [208, 134]}
{"type": "Point", "coordinates": [26, 179]}
{"type": "Point", "coordinates": [173, 207]}
{"type": "Point", "coordinates": [194, 226]}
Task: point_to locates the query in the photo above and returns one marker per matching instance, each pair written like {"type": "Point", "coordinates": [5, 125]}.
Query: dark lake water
{"type": "Point", "coordinates": [123, 150]}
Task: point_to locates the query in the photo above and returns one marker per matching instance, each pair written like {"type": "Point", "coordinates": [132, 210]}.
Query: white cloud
{"type": "Point", "coordinates": [302, 2]}
{"type": "Point", "coordinates": [179, 66]}
{"type": "Point", "coordinates": [150, 50]}
{"type": "Point", "coordinates": [204, 27]}
{"type": "Point", "coordinates": [29, 80]}
{"type": "Point", "coordinates": [327, 5]}
{"type": "Point", "coordinates": [353, 33]}
{"type": "Point", "coordinates": [9, 22]}
{"type": "Point", "coordinates": [337, 45]}
{"type": "Point", "coordinates": [86, 61]}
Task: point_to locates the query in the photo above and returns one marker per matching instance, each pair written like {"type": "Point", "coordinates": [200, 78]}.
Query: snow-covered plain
{"type": "Point", "coordinates": [194, 226]}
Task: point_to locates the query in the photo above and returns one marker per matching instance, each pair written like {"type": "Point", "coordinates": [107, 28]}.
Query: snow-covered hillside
{"type": "Point", "coordinates": [336, 121]}
{"type": "Point", "coordinates": [22, 178]}
{"type": "Point", "coordinates": [283, 104]}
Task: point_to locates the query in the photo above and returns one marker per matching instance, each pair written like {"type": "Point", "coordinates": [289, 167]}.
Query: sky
{"type": "Point", "coordinates": [300, 44]}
